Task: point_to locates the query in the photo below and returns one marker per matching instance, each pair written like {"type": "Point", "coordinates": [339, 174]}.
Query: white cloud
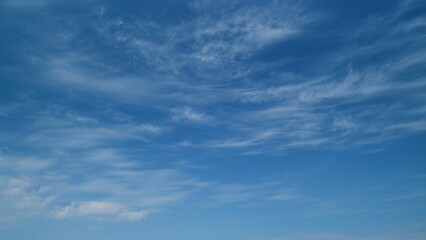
{"type": "Point", "coordinates": [107, 181]}
{"type": "Point", "coordinates": [190, 116]}
{"type": "Point", "coordinates": [253, 137]}
{"type": "Point", "coordinates": [102, 211]}
{"type": "Point", "coordinates": [302, 108]}
{"type": "Point", "coordinates": [21, 198]}
{"type": "Point", "coordinates": [210, 81]}
{"type": "Point", "coordinates": [240, 33]}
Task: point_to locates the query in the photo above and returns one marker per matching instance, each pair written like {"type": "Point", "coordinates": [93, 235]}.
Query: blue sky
{"type": "Point", "coordinates": [233, 120]}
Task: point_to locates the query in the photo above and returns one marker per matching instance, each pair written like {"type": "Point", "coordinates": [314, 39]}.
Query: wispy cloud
{"type": "Point", "coordinates": [101, 211]}
{"type": "Point", "coordinates": [206, 82]}
{"type": "Point", "coordinates": [22, 198]}
{"type": "Point", "coordinates": [190, 116]}
{"type": "Point", "coordinates": [211, 60]}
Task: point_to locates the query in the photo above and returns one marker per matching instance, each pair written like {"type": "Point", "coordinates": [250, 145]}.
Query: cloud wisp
{"type": "Point", "coordinates": [104, 109]}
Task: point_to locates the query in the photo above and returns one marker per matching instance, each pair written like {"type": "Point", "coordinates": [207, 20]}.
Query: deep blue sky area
{"type": "Point", "coordinates": [231, 120]}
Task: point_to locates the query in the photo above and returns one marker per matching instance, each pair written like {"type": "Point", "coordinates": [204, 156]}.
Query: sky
{"type": "Point", "coordinates": [211, 119]}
